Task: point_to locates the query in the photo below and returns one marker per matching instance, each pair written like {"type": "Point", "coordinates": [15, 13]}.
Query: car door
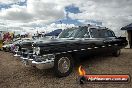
{"type": "Point", "coordinates": [109, 40]}
{"type": "Point", "coordinates": [97, 41]}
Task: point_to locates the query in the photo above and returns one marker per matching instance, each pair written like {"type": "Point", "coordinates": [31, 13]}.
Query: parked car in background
{"type": "Point", "coordinates": [63, 52]}
{"type": "Point", "coordinates": [8, 46]}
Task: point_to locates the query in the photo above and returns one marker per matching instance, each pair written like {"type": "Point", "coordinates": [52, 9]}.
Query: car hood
{"type": "Point", "coordinates": [33, 41]}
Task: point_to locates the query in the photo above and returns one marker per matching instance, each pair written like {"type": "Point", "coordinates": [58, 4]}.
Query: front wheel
{"type": "Point", "coordinates": [63, 65]}
{"type": "Point", "coordinates": [117, 53]}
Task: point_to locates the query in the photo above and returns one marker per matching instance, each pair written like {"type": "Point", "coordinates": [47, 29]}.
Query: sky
{"type": "Point", "coordinates": [33, 15]}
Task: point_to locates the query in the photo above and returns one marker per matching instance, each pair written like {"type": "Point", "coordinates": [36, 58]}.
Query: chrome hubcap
{"type": "Point", "coordinates": [63, 64]}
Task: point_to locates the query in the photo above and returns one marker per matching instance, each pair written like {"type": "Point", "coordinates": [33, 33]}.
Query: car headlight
{"type": "Point", "coordinates": [36, 50]}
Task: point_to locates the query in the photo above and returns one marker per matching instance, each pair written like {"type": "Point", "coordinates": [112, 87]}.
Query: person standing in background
{"type": "Point", "coordinates": [1, 40]}
{"type": "Point", "coordinates": [1, 36]}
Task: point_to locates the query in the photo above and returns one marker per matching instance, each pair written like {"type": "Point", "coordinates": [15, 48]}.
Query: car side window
{"type": "Point", "coordinates": [104, 33]}
{"type": "Point", "coordinates": [68, 33]}
{"type": "Point", "coordinates": [110, 33]}
{"type": "Point", "coordinates": [94, 33]}
{"type": "Point", "coordinates": [82, 33]}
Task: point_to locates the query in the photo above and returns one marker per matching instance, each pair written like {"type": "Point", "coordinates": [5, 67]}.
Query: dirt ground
{"type": "Point", "coordinates": [13, 74]}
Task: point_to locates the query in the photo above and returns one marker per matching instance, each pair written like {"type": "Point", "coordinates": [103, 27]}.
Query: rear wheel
{"type": "Point", "coordinates": [117, 53]}
{"type": "Point", "coordinates": [63, 65]}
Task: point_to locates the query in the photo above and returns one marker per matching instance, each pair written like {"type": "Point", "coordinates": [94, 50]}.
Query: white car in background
{"type": "Point", "coordinates": [11, 46]}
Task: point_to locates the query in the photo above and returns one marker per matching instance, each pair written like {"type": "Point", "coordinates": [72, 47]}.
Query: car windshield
{"type": "Point", "coordinates": [68, 33]}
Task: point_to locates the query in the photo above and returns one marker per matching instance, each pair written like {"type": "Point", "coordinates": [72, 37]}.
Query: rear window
{"type": "Point", "coordinates": [101, 33]}
{"type": "Point", "coordinates": [107, 33]}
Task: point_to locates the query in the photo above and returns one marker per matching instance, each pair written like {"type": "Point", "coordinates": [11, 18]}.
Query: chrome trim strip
{"type": "Point", "coordinates": [115, 44]}
{"type": "Point", "coordinates": [43, 62]}
{"type": "Point", "coordinates": [25, 58]}
{"type": "Point", "coordinates": [83, 49]}
{"type": "Point", "coordinates": [75, 50]}
{"type": "Point", "coordinates": [103, 46]}
{"type": "Point", "coordinates": [69, 51]}
{"type": "Point", "coordinates": [16, 55]}
{"type": "Point", "coordinates": [58, 53]}
{"type": "Point", "coordinates": [109, 45]}
{"type": "Point", "coordinates": [96, 47]}
{"type": "Point", "coordinates": [23, 48]}
{"type": "Point", "coordinates": [89, 48]}
{"type": "Point", "coordinates": [21, 57]}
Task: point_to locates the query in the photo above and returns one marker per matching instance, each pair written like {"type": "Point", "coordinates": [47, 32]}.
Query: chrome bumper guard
{"type": "Point", "coordinates": [40, 62]}
{"type": "Point", "coordinates": [44, 64]}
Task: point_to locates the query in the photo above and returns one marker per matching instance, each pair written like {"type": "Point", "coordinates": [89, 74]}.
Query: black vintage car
{"type": "Point", "coordinates": [61, 53]}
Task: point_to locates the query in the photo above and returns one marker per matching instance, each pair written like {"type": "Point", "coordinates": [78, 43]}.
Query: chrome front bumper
{"type": "Point", "coordinates": [46, 64]}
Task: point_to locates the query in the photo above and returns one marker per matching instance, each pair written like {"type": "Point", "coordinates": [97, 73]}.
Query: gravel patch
{"type": "Point", "coordinates": [13, 74]}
